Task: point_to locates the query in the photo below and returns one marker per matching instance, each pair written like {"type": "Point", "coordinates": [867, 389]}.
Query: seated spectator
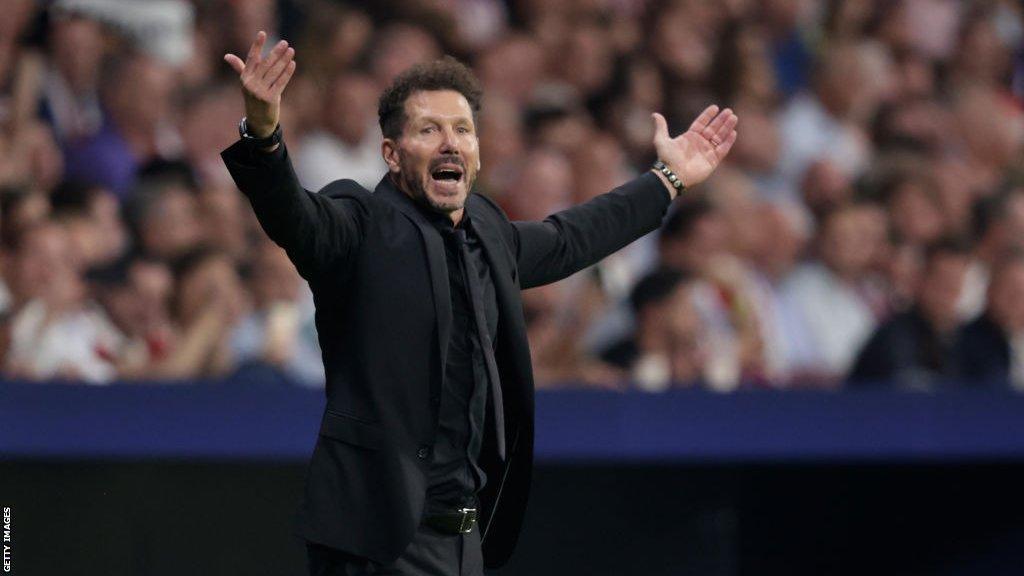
{"type": "Point", "coordinates": [998, 223]}
{"type": "Point", "coordinates": [135, 91]}
{"type": "Point", "coordinates": [164, 218]}
{"type": "Point", "coordinates": [208, 301]}
{"type": "Point", "coordinates": [92, 217]}
{"type": "Point", "coordinates": [280, 331]}
{"type": "Point", "coordinates": [695, 240]}
{"type": "Point", "coordinates": [665, 348]}
{"type": "Point", "coordinates": [914, 348]}
{"type": "Point", "coordinates": [70, 91]}
{"type": "Point", "coordinates": [783, 231]}
{"type": "Point", "coordinates": [57, 331]}
{"type": "Point", "coordinates": [834, 296]}
{"type": "Point", "coordinates": [135, 293]}
{"type": "Point", "coordinates": [990, 349]}
{"type": "Point", "coordinates": [557, 317]}
{"type": "Point", "coordinates": [348, 146]}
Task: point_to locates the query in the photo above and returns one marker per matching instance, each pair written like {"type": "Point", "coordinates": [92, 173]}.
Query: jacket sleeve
{"type": "Point", "coordinates": [573, 239]}
{"type": "Point", "coordinates": [319, 231]}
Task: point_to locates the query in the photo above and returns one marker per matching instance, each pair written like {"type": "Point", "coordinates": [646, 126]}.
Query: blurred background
{"type": "Point", "coordinates": [852, 277]}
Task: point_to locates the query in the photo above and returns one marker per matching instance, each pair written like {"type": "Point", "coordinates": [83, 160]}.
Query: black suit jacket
{"type": "Point", "coordinates": [379, 279]}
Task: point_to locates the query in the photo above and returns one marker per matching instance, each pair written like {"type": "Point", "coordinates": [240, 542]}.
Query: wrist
{"type": "Point", "coordinates": [259, 137]}
{"type": "Point", "coordinates": [668, 185]}
{"type": "Point", "coordinates": [673, 183]}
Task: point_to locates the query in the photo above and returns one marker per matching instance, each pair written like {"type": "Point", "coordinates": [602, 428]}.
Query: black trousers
{"type": "Point", "coordinates": [431, 553]}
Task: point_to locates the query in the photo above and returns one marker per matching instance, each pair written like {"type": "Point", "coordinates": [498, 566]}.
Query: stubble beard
{"type": "Point", "coordinates": [415, 188]}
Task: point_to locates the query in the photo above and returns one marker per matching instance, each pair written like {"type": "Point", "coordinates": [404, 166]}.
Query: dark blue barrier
{"type": "Point", "coordinates": [255, 418]}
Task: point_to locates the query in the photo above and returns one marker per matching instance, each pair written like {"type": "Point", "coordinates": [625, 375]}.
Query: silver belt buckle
{"type": "Point", "coordinates": [468, 520]}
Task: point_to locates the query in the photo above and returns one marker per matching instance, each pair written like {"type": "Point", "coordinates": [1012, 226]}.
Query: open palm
{"type": "Point", "coordinates": [263, 80]}
{"type": "Point", "coordinates": [694, 154]}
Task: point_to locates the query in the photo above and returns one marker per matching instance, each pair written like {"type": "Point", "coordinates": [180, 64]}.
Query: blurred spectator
{"type": "Point", "coordinates": [666, 348]}
{"type": "Point", "coordinates": [135, 294]}
{"type": "Point", "coordinates": [783, 229]}
{"type": "Point", "coordinates": [834, 297]}
{"type": "Point", "coordinates": [399, 46]}
{"type": "Point", "coordinates": [71, 89]}
{"type": "Point", "coordinates": [208, 301]}
{"type": "Point", "coordinates": [91, 215]}
{"type": "Point", "coordinates": [990, 349]}
{"type": "Point", "coordinates": [56, 331]}
{"type": "Point", "coordinates": [827, 124]}
{"type": "Point", "coordinates": [914, 349]}
{"type": "Point", "coordinates": [998, 226]}
{"type": "Point", "coordinates": [135, 91]}
{"type": "Point", "coordinates": [350, 143]}
{"type": "Point", "coordinates": [695, 240]}
{"type": "Point", "coordinates": [870, 130]}
{"type": "Point", "coordinates": [204, 132]}
{"type": "Point", "coordinates": [280, 330]}
{"type": "Point", "coordinates": [163, 215]}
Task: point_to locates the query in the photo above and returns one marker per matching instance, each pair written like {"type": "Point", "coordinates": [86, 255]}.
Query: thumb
{"type": "Point", "coordinates": [660, 127]}
{"type": "Point", "coordinates": [235, 62]}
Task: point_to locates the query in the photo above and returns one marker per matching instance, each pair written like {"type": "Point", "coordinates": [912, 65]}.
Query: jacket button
{"type": "Point", "coordinates": [423, 452]}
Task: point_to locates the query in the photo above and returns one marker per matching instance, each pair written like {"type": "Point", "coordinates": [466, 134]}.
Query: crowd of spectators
{"type": "Point", "coordinates": [866, 229]}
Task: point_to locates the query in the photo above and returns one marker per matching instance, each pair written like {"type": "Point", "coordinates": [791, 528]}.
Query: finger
{"type": "Point", "coordinates": [253, 57]}
{"type": "Point", "coordinates": [660, 127]}
{"type": "Point", "coordinates": [722, 150]}
{"type": "Point", "coordinates": [278, 66]}
{"type": "Point", "coordinates": [282, 80]}
{"type": "Point", "coordinates": [715, 125]}
{"type": "Point", "coordinates": [726, 128]}
{"type": "Point", "coordinates": [279, 50]}
{"type": "Point", "coordinates": [235, 62]}
{"type": "Point", "coordinates": [704, 118]}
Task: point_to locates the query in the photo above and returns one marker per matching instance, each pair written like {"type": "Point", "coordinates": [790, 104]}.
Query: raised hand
{"type": "Point", "coordinates": [695, 154]}
{"type": "Point", "coordinates": [263, 80]}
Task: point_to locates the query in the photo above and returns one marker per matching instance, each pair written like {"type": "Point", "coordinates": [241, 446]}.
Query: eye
{"type": "Point", "coordinates": [462, 130]}
{"type": "Point", "coordinates": [428, 129]}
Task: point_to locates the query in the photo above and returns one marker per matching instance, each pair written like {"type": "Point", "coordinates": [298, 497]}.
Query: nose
{"type": "Point", "coordinates": [450, 144]}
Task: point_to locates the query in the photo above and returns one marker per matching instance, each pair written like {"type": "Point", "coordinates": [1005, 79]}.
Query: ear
{"type": "Point", "coordinates": [389, 150]}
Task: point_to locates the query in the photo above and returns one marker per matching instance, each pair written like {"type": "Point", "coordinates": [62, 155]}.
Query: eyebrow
{"type": "Point", "coordinates": [440, 119]}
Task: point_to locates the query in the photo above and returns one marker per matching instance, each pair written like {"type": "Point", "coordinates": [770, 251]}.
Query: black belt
{"type": "Point", "coordinates": [460, 521]}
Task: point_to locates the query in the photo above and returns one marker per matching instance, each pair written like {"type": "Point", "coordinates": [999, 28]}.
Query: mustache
{"type": "Point", "coordinates": [447, 159]}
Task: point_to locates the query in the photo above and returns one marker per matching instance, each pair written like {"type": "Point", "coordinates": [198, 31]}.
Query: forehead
{"type": "Point", "coordinates": [438, 105]}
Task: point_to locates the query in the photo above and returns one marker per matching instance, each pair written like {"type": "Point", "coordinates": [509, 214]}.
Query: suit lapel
{"type": "Point", "coordinates": [502, 270]}
{"type": "Point", "coordinates": [436, 261]}
{"type": "Point", "coordinates": [512, 327]}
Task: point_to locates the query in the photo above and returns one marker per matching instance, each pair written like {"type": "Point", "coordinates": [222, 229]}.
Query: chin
{"type": "Point", "coordinates": [446, 202]}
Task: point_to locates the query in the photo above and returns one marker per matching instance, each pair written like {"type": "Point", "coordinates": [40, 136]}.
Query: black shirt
{"type": "Point", "coordinates": [455, 475]}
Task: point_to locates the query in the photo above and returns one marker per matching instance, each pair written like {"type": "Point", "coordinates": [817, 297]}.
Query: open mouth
{"type": "Point", "coordinates": [447, 173]}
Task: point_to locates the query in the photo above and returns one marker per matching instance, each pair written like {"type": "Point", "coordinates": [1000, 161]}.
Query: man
{"type": "Point", "coordinates": [665, 348]}
{"type": "Point", "coordinates": [428, 428]}
{"type": "Point", "coordinates": [913, 349]}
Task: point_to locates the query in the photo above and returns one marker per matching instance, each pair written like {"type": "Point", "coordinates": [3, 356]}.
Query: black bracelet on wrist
{"type": "Point", "coordinates": [672, 178]}
{"type": "Point", "coordinates": [265, 142]}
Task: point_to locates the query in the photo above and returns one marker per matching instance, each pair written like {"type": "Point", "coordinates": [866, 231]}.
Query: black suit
{"type": "Point", "coordinates": [378, 274]}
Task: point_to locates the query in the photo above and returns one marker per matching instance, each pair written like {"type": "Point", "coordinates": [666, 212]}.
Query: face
{"type": "Point", "coordinates": [940, 289]}
{"type": "Point", "coordinates": [436, 158]}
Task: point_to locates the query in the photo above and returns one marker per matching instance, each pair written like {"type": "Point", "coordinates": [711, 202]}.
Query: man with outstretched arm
{"type": "Point", "coordinates": [425, 451]}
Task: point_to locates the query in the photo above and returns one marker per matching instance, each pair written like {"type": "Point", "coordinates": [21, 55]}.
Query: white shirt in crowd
{"type": "Point", "coordinates": [322, 158]}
